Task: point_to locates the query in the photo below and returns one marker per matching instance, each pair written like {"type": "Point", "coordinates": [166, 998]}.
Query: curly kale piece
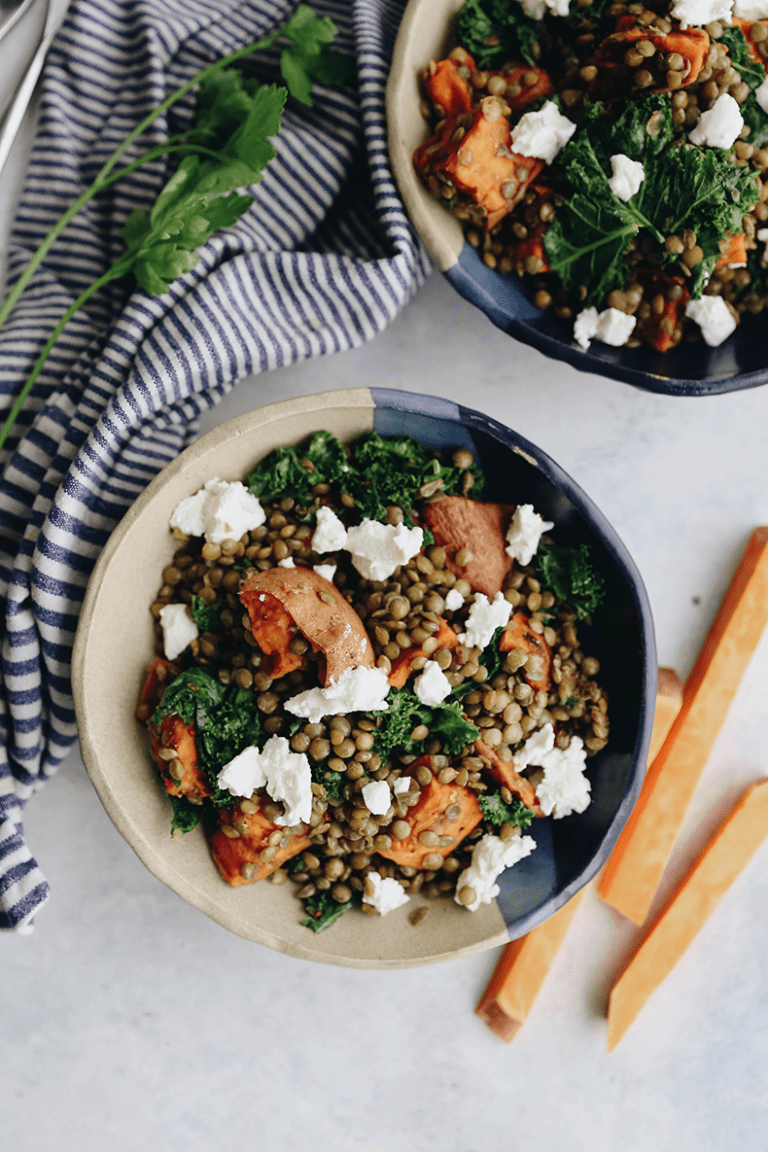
{"type": "Point", "coordinates": [571, 576]}
{"type": "Point", "coordinates": [494, 809]}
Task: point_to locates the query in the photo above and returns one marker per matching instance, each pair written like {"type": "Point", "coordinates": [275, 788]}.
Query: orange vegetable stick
{"type": "Point", "coordinates": [520, 973]}
{"type": "Point", "coordinates": [697, 896]}
{"type": "Point", "coordinates": [669, 701]}
{"type": "Point", "coordinates": [642, 851]}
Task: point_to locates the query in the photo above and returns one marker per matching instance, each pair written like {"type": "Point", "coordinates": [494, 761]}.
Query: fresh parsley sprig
{"type": "Point", "coordinates": [226, 148]}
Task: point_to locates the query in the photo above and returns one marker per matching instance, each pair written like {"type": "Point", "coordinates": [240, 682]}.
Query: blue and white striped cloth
{"type": "Point", "coordinates": [323, 260]}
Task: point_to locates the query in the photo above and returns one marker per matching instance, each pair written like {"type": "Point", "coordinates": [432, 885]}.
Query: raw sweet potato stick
{"type": "Point", "coordinates": [696, 897]}
{"type": "Point", "coordinates": [644, 847]}
{"type": "Point", "coordinates": [525, 963]}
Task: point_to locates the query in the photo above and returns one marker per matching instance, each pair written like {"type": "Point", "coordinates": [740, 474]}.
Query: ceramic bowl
{"type": "Point", "coordinates": [426, 32]}
{"type": "Point", "coordinates": [114, 648]}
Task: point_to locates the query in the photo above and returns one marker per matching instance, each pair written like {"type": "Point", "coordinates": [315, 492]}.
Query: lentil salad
{"type": "Point", "coordinates": [449, 765]}
{"type": "Point", "coordinates": [614, 156]}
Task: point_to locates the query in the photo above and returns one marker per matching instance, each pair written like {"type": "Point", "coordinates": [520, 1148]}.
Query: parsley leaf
{"type": "Point", "coordinates": [323, 911]}
{"type": "Point", "coordinates": [406, 712]}
{"type": "Point", "coordinates": [206, 616]}
{"type": "Point", "coordinates": [571, 576]}
{"type": "Point", "coordinates": [494, 809]}
{"type": "Point", "coordinates": [309, 55]}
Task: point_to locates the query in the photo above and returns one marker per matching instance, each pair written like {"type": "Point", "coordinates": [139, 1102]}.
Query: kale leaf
{"type": "Point", "coordinates": [329, 779]}
{"type": "Point", "coordinates": [511, 32]}
{"type": "Point", "coordinates": [571, 576]}
{"type": "Point", "coordinates": [406, 712]}
{"type": "Point", "coordinates": [323, 911]}
{"type": "Point", "coordinates": [494, 809]}
{"type": "Point", "coordinates": [684, 187]}
{"type": "Point", "coordinates": [295, 471]}
{"type": "Point", "coordinates": [206, 616]}
{"type": "Point", "coordinates": [751, 71]}
{"type": "Point", "coordinates": [225, 720]}
{"type": "Point", "coordinates": [186, 815]}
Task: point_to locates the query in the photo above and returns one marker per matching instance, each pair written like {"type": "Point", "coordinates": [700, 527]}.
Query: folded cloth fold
{"type": "Point", "coordinates": [320, 263]}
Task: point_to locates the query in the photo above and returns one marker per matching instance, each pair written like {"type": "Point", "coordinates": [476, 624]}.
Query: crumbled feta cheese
{"type": "Point", "coordinates": [490, 857]}
{"type": "Point", "coordinates": [402, 784]}
{"type": "Point", "coordinates": [611, 326]}
{"type": "Point", "coordinates": [377, 797]}
{"type": "Point", "coordinates": [700, 12]}
{"type": "Point", "coordinates": [356, 690]}
{"type": "Point", "coordinates": [750, 9]}
{"type": "Point", "coordinates": [433, 685]}
{"type": "Point", "coordinates": [585, 327]}
{"type": "Point", "coordinates": [326, 570]}
{"type": "Point", "coordinates": [485, 616]}
{"type": "Point", "coordinates": [286, 775]}
{"type": "Point", "coordinates": [712, 315]}
{"type": "Point", "coordinates": [761, 93]}
{"type": "Point", "coordinates": [762, 235]}
{"type": "Point", "coordinates": [378, 549]}
{"type": "Point", "coordinates": [289, 562]}
{"type": "Point", "coordinates": [627, 177]}
{"type": "Point", "coordinates": [542, 134]}
{"type": "Point", "coordinates": [524, 533]}
{"type": "Point", "coordinates": [384, 893]}
{"type": "Point", "coordinates": [536, 8]}
{"type": "Point", "coordinates": [720, 126]}
{"type": "Point", "coordinates": [330, 534]}
{"type": "Point", "coordinates": [179, 629]}
{"type": "Point", "coordinates": [564, 788]}
{"type": "Point", "coordinates": [219, 511]}
{"type": "Point", "coordinates": [454, 600]}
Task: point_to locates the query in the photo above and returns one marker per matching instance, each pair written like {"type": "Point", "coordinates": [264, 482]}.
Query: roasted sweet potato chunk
{"type": "Point", "coordinates": [474, 537]}
{"type": "Point", "coordinates": [447, 88]}
{"type": "Point", "coordinates": [447, 810]}
{"type": "Point", "coordinates": [236, 852]}
{"type": "Point", "coordinates": [401, 667]}
{"type": "Point", "coordinates": [179, 773]}
{"type": "Point", "coordinates": [616, 78]}
{"type": "Point", "coordinates": [284, 603]}
{"type": "Point", "coordinates": [505, 772]}
{"type": "Point", "coordinates": [519, 634]}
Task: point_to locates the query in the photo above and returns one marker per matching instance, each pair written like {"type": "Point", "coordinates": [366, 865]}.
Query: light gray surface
{"type": "Point", "coordinates": [130, 1018]}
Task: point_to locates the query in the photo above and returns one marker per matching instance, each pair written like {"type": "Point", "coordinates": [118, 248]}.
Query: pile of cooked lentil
{"type": "Point", "coordinates": [399, 614]}
{"type": "Point", "coordinates": [654, 273]}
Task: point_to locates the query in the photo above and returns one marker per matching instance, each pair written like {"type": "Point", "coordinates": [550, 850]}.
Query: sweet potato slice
{"type": "Point", "coordinates": [519, 634]}
{"type": "Point", "coordinates": [446, 809]}
{"type": "Point", "coordinates": [521, 971]}
{"type": "Point", "coordinates": [645, 844]}
{"type": "Point", "coordinates": [479, 530]}
{"type": "Point", "coordinates": [401, 667]}
{"type": "Point", "coordinates": [533, 84]}
{"type": "Point", "coordinates": [685, 913]}
{"type": "Point", "coordinates": [615, 78]}
{"type": "Point", "coordinates": [285, 602]}
{"type": "Point", "coordinates": [237, 857]}
{"type": "Point", "coordinates": [505, 772]}
{"type": "Point", "coordinates": [161, 672]}
{"type": "Point", "coordinates": [179, 773]}
{"type": "Point", "coordinates": [735, 253]}
{"type": "Point", "coordinates": [480, 164]}
{"type": "Point", "coordinates": [758, 49]}
{"type": "Point", "coordinates": [447, 88]}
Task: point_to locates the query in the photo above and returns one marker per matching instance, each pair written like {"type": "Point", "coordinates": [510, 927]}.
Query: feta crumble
{"type": "Point", "coordinates": [286, 775]}
{"type": "Point", "coordinates": [542, 134]}
{"type": "Point", "coordinates": [524, 533]}
{"type": "Point", "coordinates": [378, 549]}
{"type": "Point", "coordinates": [454, 600]}
{"type": "Point", "coordinates": [432, 686]}
{"type": "Point", "coordinates": [384, 893]}
{"type": "Point", "coordinates": [610, 326]}
{"type": "Point", "coordinates": [713, 317]}
{"type": "Point", "coordinates": [536, 8]}
{"type": "Point", "coordinates": [490, 857]}
{"type": "Point", "coordinates": [564, 788]}
{"type": "Point", "coordinates": [289, 562]}
{"type": "Point", "coordinates": [761, 92]}
{"type": "Point", "coordinates": [485, 616]}
{"type": "Point", "coordinates": [377, 797]}
{"type": "Point", "coordinates": [330, 534]}
{"type": "Point", "coordinates": [356, 690]}
{"type": "Point", "coordinates": [218, 511]}
{"type": "Point", "coordinates": [627, 176]}
{"type": "Point", "coordinates": [402, 784]}
{"type": "Point", "coordinates": [328, 571]}
{"type": "Point", "coordinates": [700, 12]}
{"type": "Point", "coordinates": [750, 9]}
{"type": "Point", "coordinates": [720, 126]}
{"type": "Point", "coordinates": [762, 236]}
{"type": "Point", "coordinates": [179, 629]}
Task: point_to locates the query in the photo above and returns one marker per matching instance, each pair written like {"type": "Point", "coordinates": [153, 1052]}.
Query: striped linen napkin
{"type": "Point", "coordinates": [323, 260]}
